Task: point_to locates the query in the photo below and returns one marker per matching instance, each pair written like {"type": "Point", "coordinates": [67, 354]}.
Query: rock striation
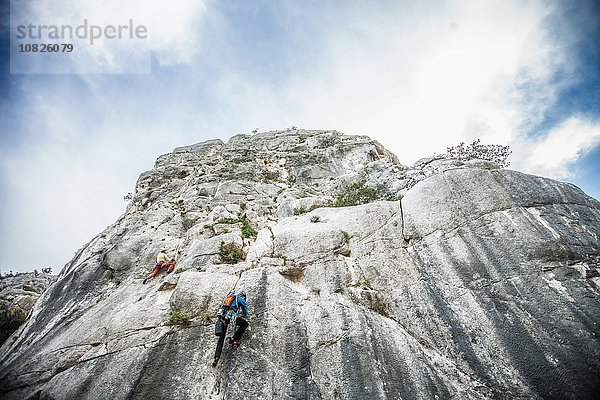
{"type": "Point", "coordinates": [461, 280]}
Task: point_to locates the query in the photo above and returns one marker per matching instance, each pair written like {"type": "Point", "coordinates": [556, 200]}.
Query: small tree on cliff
{"type": "Point", "coordinates": [491, 152]}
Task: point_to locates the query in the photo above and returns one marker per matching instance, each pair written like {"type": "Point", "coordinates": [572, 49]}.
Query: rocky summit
{"type": "Point", "coordinates": [366, 279]}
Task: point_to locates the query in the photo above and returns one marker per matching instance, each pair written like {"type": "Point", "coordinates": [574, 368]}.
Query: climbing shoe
{"type": "Point", "coordinates": [234, 342]}
{"type": "Point", "coordinates": [144, 282]}
{"type": "Point", "coordinates": [215, 362]}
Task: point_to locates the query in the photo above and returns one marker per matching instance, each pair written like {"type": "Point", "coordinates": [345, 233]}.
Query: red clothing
{"type": "Point", "coordinates": [161, 265]}
{"type": "Point", "coordinates": [170, 266]}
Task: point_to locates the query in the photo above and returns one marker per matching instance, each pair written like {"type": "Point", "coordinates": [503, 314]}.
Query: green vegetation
{"type": "Point", "coordinates": [178, 318]}
{"type": "Point", "coordinates": [247, 230]}
{"type": "Point", "coordinates": [231, 253]}
{"type": "Point", "coordinates": [360, 193]}
{"type": "Point", "coordinates": [392, 197]}
{"type": "Point", "coordinates": [355, 194]}
{"type": "Point", "coordinates": [490, 152]}
{"type": "Point", "coordinates": [314, 219]}
{"type": "Point", "coordinates": [291, 179]}
{"type": "Point", "coordinates": [300, 210]}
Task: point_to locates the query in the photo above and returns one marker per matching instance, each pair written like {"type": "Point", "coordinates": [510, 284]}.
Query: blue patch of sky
{"type": "Point", "coordinates": [7, 90]}
{"type": "Point", "coordinates": [8, 86]}
{"type": "Point", "coordinates": [582, 22]}
{"type": "Point", "coordinates": [575, 27]}
{"type": "Point", "coordinates": [264, 41]}
{"type": "Point", "coordinates": [274, 42]}
{"type": "Point", "coordinates": [587, 173]}
{"type": "Point", "coordinates": [585, 95]}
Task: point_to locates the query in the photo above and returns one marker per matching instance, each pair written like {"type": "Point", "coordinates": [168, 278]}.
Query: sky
{"type": "Point", "coordinates": [76, 130]}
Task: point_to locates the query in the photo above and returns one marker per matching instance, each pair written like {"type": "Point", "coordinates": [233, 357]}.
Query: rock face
{"type": "Point", "coordinates": [479, 283]}
{"type": "Point", "coordinates": [18, 295]}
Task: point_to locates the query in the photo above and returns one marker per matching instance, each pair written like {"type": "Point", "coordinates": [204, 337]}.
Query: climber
{"type": "Point", "coordinates": [161, 263]}
{"type": "Point", "coordinates": [234, 308]}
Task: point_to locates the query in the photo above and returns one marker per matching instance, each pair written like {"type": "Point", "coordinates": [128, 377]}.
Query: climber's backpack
{"type": "Point", "coordinates": [219, 327]}
{"type": "Point", "coordinates": [229, 300]}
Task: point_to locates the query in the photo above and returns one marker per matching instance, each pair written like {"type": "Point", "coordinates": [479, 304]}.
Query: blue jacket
{"type": "Point", "coordinates": [239, 304]}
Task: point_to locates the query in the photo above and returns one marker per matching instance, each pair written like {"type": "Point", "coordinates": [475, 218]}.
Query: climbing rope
{"type": "Point", "coordinates": [229, 374]}
{"type": "Point", "coordinates": [230, 357]}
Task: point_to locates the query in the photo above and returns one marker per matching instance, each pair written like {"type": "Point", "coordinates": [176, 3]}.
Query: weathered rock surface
{"type": "Point", "coordinates": [479, 283]}
{"type": "Point", "coordinates": [18, 295]}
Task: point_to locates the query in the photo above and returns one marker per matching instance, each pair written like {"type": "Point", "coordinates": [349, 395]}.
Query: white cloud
{"type": "Point", "coordinates": [424, 83]}
{"type": "Point", "coordinates": [174, 26]}
{"type": "Point", "coordinates": [555, 154]}
{"type": "Point", "coordinates": [171, 33]}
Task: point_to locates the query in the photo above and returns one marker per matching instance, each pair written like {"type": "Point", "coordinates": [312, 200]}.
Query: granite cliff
{"type": "Point", "coordinates": [460, 280]}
